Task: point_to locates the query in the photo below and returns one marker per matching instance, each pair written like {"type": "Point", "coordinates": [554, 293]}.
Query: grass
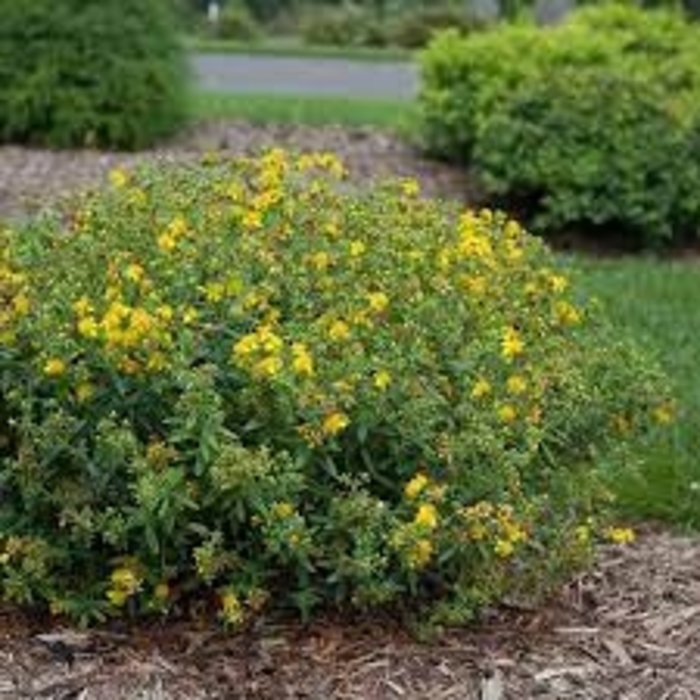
{"type": "Point", "coordinates": [659, 303]}
{"type": "Point", "coordinates": [294, 47]}
{"type": "Point", "coordinates": [394, 115]}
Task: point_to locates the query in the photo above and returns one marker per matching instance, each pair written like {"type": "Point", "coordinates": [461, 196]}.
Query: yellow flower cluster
{"type": "Point", "coordinates": [14, 299]}
{"type": "Point", "coordinates": [496, 525]}
{"type": "Point", "coordinates": [261, 352]}
{"type": "Point", "coordinates": [124, 583]}
{"type": "Point", "coordinates": [414, 540]}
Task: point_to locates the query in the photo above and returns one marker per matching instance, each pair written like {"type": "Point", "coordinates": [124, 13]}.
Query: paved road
{"type": "Point", "coordinates": [328, 77]}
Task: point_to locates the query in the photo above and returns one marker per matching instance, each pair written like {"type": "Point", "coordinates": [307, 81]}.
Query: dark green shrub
{"type": "Point", "coordinates": [89, 72]}
{"type": "Point", "coordinates": [251, 380]}
{"type": "Point", "coordinates": [585, 148]}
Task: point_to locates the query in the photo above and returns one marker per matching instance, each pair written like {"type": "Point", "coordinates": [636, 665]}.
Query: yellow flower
{"type": "Point", "coordinates": [378, 301]}
{"type": "Point", "coordinates": [165, 313]}
{"type": "Point", "coordinates": [567, 314]}
{"type": "Point", "coordinates": [335, 422]}
{"type": "Point", "coordinates": [118, 177]}
{"type": "Point", "coordinates": [481, 388]}
{"type": "Point", "coordinates": [283, 510]}
{"type": "Point", "coordinates": [162, 591]}
{"type": "Point", "coordinates": [302, 362]}
{"type": "Point", "coordinates": [117, 597]}
{"type": "Point", "coordinates": [426, 516]}
{"type": "Point", "coordinates": [320, 260]}
{"type": "Point", "coordinates": [134, 272]}
{"type": "Point", "coordinates": [620, 535]}
{"type": "Point", "coordinates": [82, 306]}
{"type": "Point", "coordinates": [507, 413]}
{"type": "Point", "coordinates": [54, 367]}
{"type": "Point", "coordinates": [84, 391]}
{"type": "Point", "coordinates": [558, 283]}
{"type": "Point", "coordinates": [88, 327]}
{"type": "Point", "coordinates": [382, 379]}
{"type": "Point", "coordinates": [252, 220]}
{"type": "Point", "coordinates": [410, 187]}
{"type": "Point", "coordinates": [415, 486]}
{"type": "Point", "coordinates": [663, 414]}
{"type": "Point", "coordinates": [247, 345]}
{"type": "Point", "coordinates": [504, 548]}
{"type": "Point", "coordinates": [21, 304]}
{"type": "Point", "coordinates": [190, 315]}
{"type": "Point", "coordinates": [269, 366]}
{"type": "Point", "coordinates": [420, 554]}
{"type": "Point", "coordinates": [583, 534]}
{"type": "Point", "coordinates": [357, 248]}
{"type": "Point", "coordinates": [511, 343]}
{"type": "Point", "coordinates": [124, 583]}
{"type": "Point", "coordinates": [166, 242]}
{"type": "Point", "coordinates": [214, 291]}
{"type": "Point", "coordinates": [339, 330]}
{"type": "Point", "coordinates": [516, 384]}
{"type": "Point", "coordinates": [231, 609]}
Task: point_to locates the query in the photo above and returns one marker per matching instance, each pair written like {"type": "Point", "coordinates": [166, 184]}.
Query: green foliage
{"type": "Point", "coordinates": [89, 73]}
{"type": "Point", "coordinates": [344, 25]}
{"type": "Point", "coordinates": [236, 22]}
{"type": "Point", "coordinates": [584, 147]}
{"type": "Point", "coordinates": [592, 122]}
{"type": "Point", "coordinates": [414, 29]}
{"type": "Point", "coordinates": [249, 379]}
{"type": "Point", "coordinates": [361, 25]}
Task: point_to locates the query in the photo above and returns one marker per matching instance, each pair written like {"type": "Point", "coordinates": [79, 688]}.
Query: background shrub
{"type": "Point", "coordinates": [576, 89]}
{"type": "Point", "coordinates": [236, 22]}
{"type": "Point", "coordinates": [343, 25]}
{"type": "Point", "coordinates": [250, 379]}
{"type": "Point", "coordinates": [413, 29]}
{"type": "Point", "coordinates": [89, 73]}
{"type": "Point", "coordinates": [581, 146]}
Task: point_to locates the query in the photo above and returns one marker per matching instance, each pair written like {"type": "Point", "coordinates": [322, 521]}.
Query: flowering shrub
{"type": "Point", "coordinates": [248, 378]}
{"type": "Point", "coordinates": [579, 124]}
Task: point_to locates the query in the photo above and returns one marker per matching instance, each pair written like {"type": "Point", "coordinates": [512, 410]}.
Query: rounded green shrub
{"type": "Point", "coordinates": [248, 377]}
{"type": "Point", "coordinates": [591, 122]}
{"type": "Point", "coordinates": [97, 73]}
{"type": "Point", "coordinates": [593, 147]}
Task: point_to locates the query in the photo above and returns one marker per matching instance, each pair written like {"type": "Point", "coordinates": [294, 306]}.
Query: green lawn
{"type": "Point", "coordinates": [659, 302]}
{"type": "Point", "coordinates": [292, 46]}
{"type": "Point", "coordinates": [281, 109]}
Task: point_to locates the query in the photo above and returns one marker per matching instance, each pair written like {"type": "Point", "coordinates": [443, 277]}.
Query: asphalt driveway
{"type": "Point", "coordinates": [329, 77]}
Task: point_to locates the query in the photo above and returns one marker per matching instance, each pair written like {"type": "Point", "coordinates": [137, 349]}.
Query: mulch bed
{"type": "Point", "coordinates": [31, 178]}
{"type": "Point", "coordinates": [629, 629]}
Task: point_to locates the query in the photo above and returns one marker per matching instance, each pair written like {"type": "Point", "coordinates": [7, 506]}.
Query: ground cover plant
{"type": "Point", "coordinates": [90, 73]}
{"type": "Point", "coordinates": [592, 123]}
{"type": "Point", "coordinates": [250, 379]}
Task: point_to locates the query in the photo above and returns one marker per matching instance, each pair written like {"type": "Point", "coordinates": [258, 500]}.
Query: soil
{"type": "Point", "coordinates": [32, 178]}
{"type": "Point", "coordinates": [629, 629]}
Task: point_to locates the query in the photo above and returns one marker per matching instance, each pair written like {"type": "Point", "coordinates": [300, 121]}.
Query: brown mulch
{"type": "Point", "coordinates": [629, 630]}
{"type": "Point", "coordinates": [32, 178]}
